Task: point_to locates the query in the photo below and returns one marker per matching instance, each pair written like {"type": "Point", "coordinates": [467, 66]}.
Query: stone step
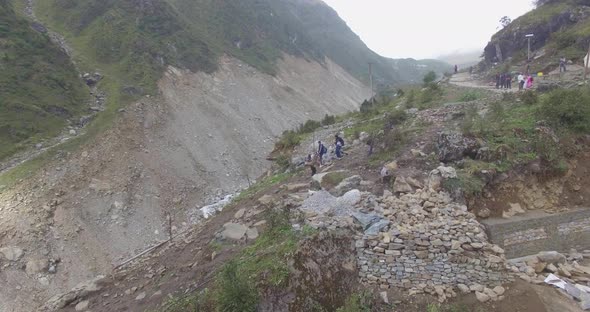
{"type": "Point", "coordinates": [537, 231]}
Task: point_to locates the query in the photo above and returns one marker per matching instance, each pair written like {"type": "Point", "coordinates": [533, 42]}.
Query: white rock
{"type": "Point", "coordinates": [82, 305]}
{"type": "Point", "coordinates": [499, 290]}
{"type": "Point", "coordinates": [11, 253]}
{"type": "Point", "coordinates": [140, 296]}
{"type": "Point", "coordinates": [481, 297]}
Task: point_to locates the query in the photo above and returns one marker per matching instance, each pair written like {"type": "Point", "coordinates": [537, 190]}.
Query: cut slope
{"type": "Point", "coordinates": [561, 28]}
{"type": "Point", "coordinates": [39, 87]}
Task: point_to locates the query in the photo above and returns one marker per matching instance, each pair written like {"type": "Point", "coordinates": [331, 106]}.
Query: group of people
{"type": "Point", "coordinates": [525, 81]}
{"type": "Point", "coordinates": [313, 161]}
{"type": "Point", "coordinates": [504, 81]}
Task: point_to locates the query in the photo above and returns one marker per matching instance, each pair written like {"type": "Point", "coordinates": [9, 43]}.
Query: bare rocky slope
{"type": "Point", "coordinates": [204, 136]}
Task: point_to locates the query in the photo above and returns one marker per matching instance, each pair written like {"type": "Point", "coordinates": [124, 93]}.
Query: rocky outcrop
{"type": "Point", "coordinates": [512, 39]}
{"type": "Point", "coordinates": [453, 146]}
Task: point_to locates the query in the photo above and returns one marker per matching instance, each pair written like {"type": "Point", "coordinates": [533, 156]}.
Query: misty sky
{"type": "Point", "coordinates": [426, 28]}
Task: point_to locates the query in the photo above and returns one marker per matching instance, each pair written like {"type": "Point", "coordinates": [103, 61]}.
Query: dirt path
{"type": "Point", "coordinates": [469, 81]}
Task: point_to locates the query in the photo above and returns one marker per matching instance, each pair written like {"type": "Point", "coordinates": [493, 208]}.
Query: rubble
{"type": "Point", "coordinates": [557, 269]}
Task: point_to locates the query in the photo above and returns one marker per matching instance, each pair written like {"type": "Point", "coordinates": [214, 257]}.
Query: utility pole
{"type": "Point", "coordinates": [371, 79]}
{"type": "Point", "coordinates": [586, 65]}
{"type": "Point", "coordinates": [529, 36]}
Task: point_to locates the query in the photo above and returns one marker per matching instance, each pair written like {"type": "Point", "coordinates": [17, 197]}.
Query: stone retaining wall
{"type": "Point", "coordinates": [533, 232]}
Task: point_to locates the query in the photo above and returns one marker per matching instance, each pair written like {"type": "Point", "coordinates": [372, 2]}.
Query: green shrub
{"type": "Point", "coordinates": [328, 120]}
{"type": "Point", "coordinates": [362, 302]}
{"type": "Point", "coordinates": [508, 97]}
{"type": "Point", "coordinates": [284, 162]}
{"type": "Point", "coordinates": [567, 108]}
{"type": "Point", "coordinates": [288, 140]}
{"type": "Point", "coordinates": [529, 97]}
{"type": "Point", "coordinates": [236, 293]}
{"type": "Point", "coordinates": [497, 114]}
{"type": "Point", "coordinates": [469, 96]}
{"type": "Point", "coordinates": [411, 99]}
{"type": "Point", "coordinates": [309, 126]}
{"type": "Point", "coordinates": [429, 78]}
{"type": "Point", "coordinates": [199, 302]}
{"type": "Point", "coordinates": [366, 107]}
{"type": "Point", "coordinates": [395, 117]}
{"type": "Point", "coordinates": [400, 92]}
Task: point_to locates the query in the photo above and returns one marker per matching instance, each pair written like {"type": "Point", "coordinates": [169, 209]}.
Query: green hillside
{"type": "Point", "coordinates": [39, 87]}
{"type": "Point", "coordinates": [139, 38]}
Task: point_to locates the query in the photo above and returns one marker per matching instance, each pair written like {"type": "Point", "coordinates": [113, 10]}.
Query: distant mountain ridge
{"type": "Point", "coordinates": [142, 36]}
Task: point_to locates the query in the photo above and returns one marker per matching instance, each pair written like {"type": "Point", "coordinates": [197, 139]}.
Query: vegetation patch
{"type": "Point", "coordinates": [40, 91]}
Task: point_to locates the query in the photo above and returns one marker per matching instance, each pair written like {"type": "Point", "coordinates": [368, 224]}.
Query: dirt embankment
{"type": "Point", "coordinates": [204, 136]}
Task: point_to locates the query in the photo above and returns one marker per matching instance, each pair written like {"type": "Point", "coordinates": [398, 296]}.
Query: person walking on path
{"type": "Point", "coordinates": [338, 150]}
{"type": "Point", "coordinates": [520, 81]}
{"type": "Point", "coordinates": [508, 81]}
{"type": "Point", "coordinates": [456, 69]}
{"type": "Point", "coordinates": [529, 82]}
{"type": "Point", "coordinates": [312, 162]}
{"type": "Point", "coordinates": [562, 64]}
{"type": "Point", "coordinates": [497, 81]}
{"type": "Point", "coordinates": [339, 143]}
{"type": "Point", "coordinates": [322, 150]}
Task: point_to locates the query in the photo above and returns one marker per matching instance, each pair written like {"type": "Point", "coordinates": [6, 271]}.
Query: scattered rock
{"type": "Point", "coordinates": [240, 213]}
{"type": "Point", "coordinates": [36, 266]}
{"type": "Point", "coordinates": [346, 185]}
{"type": "Point", "coordinates": [499, 290]}
{"type": "Point", "coordinates": [297, 187]}
{"type": "Point", "coordinates": [463, 288]}
{"type": "Point", "coordinates": [552, 257]}
{"type": "Point", "coordinates": [11, 253]}
{"type": "Point", "coordinates": [234, 231]}
{"type": "Point", "coordinates": [484, 213]}
{"type": "Point", "coordinates": [140, 296]}
{"type": "Point", "coordinates": [401, 186]}
{"type": "Point", "coordinates": [384, 297]}
{"type": "Point", "coordinates": [453, 146]}
{"type": "Point", "coordinates": [252, 233]}
{"type": "Point", "coordinates": [481, 297]}
{"type": "Point", "coordinates": [414, 183]}
{"type": "Point", "coordinates": [266, 200]}
{"type": "Point", "coordinates": [82, 305]}
{"type": "Point", "coordinates": [515, 209]}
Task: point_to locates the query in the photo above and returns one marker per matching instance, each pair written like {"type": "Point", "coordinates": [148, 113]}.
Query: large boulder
{"type": "Point", "coordinates": [552, 257]}
{"type": "Point", "coordinates": [401, 186]}
{"type": "Point", "coordinates": [439, 174]}
{"type": "Point", "coordinates": [36, 266]}
{"type": "Point", "coordinates": [234, 231]}
{"type": "Point", "coordinates": [365, 220]}
{"type": "Point", "coordinates": [453, 146]}
{"type": "Point", "coordinates": [328, 180]}
{"type": "Point", "coordinates": [346, 185]}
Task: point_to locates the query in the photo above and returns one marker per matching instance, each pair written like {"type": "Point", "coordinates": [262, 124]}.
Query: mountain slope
{"type": "Point", "coordinates": [39, 87]}
{"type": "Point", "coordinates": [561, 28]}
{"type": "Point", "coordinates": [140, 37]}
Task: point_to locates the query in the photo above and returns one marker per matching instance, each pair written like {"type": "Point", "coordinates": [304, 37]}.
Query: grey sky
{"type": "Point", "coordinates": [426, 28]}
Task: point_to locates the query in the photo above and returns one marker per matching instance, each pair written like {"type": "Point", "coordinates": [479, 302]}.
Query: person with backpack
{"type": "Point", "coordinates": [339, 144]}
{"type": "Point", "coordinates": [312, 162]}
{"type": "Point", "coordinates": [322, 150]}
{"type": "Point", "coordinates": [562, 64]}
